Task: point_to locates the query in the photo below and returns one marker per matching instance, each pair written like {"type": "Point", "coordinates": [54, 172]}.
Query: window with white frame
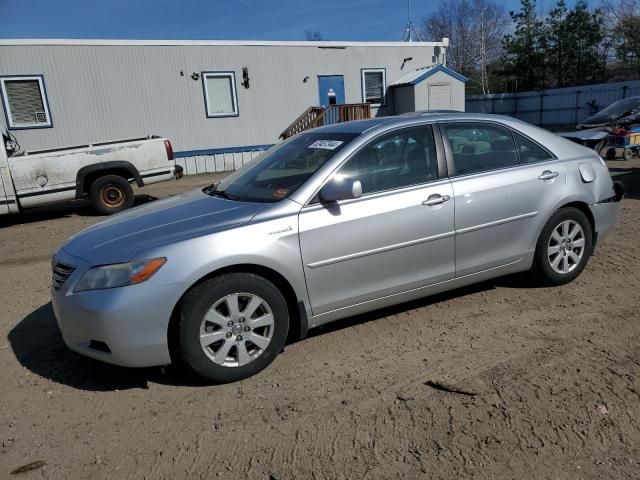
{"type": "Point", "coordinates": [374, 85]}
{"type": "Point", "coordinates": [220, 94]}
{"type": "Point", "coordinates": [25, 101]}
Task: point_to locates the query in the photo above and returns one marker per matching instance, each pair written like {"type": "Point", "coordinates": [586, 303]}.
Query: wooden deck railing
{"type": "Point", "coordinates": [311, 118]}
{"type": "Point", "coordinates": [318, 116]}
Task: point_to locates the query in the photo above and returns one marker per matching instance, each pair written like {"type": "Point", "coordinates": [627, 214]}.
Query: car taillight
{"type": "Point", "coordinates": [169, 149]}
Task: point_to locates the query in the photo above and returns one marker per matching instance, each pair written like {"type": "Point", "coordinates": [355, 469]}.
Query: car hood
{"type": "Point", "coordinates": [121, 237]}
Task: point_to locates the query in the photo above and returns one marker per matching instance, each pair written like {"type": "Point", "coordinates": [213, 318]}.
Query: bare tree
{"type": "Point", "coordinates": [475, 28]}
{"type": "Point", "coordinates": [622, 21]}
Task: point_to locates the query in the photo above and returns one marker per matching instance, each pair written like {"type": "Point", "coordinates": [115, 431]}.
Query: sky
{"type": "Point", "coordinates": [350, 20]}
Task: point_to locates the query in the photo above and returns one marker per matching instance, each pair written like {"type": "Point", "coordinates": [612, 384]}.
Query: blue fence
{"type": "Point", "coordinates": [558, 106]}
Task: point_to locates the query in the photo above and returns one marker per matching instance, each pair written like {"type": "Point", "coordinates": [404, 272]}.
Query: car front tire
{"type": "Point", "coordinates": [231, 327]}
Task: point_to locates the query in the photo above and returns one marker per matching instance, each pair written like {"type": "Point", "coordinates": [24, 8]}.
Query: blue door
{"type": "Point", "coordinates": [330, 89]}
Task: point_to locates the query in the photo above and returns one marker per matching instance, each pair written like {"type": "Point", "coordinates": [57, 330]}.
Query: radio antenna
{"type": "Point", "coordinates": [410, 30]}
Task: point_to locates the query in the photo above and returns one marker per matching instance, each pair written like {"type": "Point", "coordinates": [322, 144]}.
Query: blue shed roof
{"type": "Point", "coordinates": [422, 73]}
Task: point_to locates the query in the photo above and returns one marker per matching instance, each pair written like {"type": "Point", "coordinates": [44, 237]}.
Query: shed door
{"type": "Point", "coordinates": [440, 97]}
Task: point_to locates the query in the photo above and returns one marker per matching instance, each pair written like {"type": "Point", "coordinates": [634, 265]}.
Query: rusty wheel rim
{"type": "Point", "coordinates": [112, 196]}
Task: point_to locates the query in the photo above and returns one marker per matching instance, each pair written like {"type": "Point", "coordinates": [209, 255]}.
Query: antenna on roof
{"type": "Point", "coordinates": [410, 29]}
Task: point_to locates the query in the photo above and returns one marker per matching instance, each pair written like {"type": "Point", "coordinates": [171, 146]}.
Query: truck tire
{"type": "Point", "coordinates": [111, 194]}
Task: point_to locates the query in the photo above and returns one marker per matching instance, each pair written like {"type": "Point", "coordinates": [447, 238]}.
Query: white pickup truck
{"type": "Point", "coordinates": [102, 172]}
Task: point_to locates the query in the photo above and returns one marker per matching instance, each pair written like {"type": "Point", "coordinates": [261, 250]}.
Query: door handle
{"type": "Point", "coordinates": [436, 199]}
{"type": "Point", "coordinates": [548, 175]}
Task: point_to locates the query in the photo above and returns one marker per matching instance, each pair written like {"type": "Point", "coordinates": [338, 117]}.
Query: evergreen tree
{"type": "Point", "coordinates": [556, 43]}
{"type": "Point", "coordinates": [584, 33]}
{"type": "Point", "coordinates": [524, 58]}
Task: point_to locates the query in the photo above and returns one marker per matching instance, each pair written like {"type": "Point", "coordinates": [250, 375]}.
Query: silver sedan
{"type": "Point", "coordinates": [331, 223]}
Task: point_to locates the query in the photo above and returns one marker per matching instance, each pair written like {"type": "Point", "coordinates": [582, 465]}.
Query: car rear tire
{"type": "Point", "coordinates": [231, 327]}
{"type": "Point", "coordinates": [111, 194]}
{"type": "Point", "coordinates": [563, 248]}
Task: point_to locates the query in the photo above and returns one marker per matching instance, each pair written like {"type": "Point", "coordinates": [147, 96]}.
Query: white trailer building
{"type": "Point", "coordinates": [218, 101]}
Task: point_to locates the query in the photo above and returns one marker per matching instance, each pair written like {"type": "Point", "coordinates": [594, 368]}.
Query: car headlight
{"type": "Point", "coordinates": [119, 274]}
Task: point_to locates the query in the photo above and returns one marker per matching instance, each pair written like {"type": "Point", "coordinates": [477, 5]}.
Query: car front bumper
{"type": "Point", "coordinates": [125, 326]}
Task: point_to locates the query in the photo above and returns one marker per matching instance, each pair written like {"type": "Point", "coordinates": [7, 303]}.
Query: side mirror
{"type": "Point", "coordinates": [342, 188]}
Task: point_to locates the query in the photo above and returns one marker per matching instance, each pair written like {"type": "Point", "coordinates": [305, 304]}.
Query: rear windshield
{"type": "Point", "coordinates": [616, 110]}
{"type": "Point", "coordinates": [282, 169]}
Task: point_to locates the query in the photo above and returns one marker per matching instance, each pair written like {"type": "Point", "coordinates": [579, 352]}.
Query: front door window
{"type": "Point", "coordinates": [399, 159]}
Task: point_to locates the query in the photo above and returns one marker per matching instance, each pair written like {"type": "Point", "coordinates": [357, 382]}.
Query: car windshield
{"type": "Point", "coordinates": [616, 110]}
{"type": "Point", "coordinates": [282, 169]}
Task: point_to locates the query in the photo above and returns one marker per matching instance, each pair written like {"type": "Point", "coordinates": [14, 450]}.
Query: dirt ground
{"type": "Point", "coordinates": [549, 378]}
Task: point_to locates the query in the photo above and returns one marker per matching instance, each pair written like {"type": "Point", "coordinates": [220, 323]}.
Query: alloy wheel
{"type": "Point", "coordinates": [237, 329]}
{"type": "Point", "coordinates": [566, 246]}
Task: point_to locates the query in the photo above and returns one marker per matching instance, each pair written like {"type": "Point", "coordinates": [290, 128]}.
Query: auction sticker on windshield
{"type": "Point", "coordinates": [326, 144]}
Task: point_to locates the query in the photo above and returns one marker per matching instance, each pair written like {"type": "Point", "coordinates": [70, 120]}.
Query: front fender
{"type": "Point", "coordinates": [266, 244]}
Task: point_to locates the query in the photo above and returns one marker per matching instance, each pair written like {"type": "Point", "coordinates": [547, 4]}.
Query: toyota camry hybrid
{"type": "Point", "coordinates": [330, 223]}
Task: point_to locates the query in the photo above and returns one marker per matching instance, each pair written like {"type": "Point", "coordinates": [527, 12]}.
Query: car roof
{"type": "Point", "coordinates": [361, 126]}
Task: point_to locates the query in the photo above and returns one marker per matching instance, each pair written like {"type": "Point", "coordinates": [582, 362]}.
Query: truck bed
{"type": "Point", "coordinates": [78, 147]}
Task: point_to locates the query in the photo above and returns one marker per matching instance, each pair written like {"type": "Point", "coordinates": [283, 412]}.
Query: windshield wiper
{"type": "Point", "coordinates": [213, 191]}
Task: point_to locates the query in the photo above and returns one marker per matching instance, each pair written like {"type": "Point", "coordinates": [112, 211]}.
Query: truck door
{"type": "Point", "coordinates": [7, 196]}
{"type": "Point", "coordinates": [4, 206]}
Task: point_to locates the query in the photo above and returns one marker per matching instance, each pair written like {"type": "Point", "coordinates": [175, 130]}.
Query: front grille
{"type": "Point", "coordinates": [61, 272]}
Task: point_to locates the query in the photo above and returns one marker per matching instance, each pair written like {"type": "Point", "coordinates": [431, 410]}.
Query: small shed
{"type": "Point", "coordinates": [429, 88]}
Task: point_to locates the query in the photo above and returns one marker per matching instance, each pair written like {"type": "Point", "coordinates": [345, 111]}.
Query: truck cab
{"type": "Point", "coordinates": [8, 201]}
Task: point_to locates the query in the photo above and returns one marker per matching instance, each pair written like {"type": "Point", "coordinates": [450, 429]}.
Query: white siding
{"type": "Point", "coordinates": [101, 92]}
{"type": "Point", "coordinates": [221, 162]}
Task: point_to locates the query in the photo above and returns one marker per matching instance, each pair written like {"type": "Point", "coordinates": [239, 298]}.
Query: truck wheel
{"type": "Point", "coordinates": [111, 194]}
{"type": "Point", "coordinates": [231, 327]}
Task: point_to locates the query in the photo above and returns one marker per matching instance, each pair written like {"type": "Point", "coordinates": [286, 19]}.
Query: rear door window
{"type": "Point", "coordinates": [479, 147]}
{"type": "Point", "coordinates": [530, 152]}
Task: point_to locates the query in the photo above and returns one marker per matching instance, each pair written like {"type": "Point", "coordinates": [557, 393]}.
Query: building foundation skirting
{"type": "Point", "coordinates": [214, 160]}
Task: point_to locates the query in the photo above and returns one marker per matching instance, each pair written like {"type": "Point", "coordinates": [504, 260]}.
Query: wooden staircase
{"type": "Point", "coordinates": [318, 116]}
